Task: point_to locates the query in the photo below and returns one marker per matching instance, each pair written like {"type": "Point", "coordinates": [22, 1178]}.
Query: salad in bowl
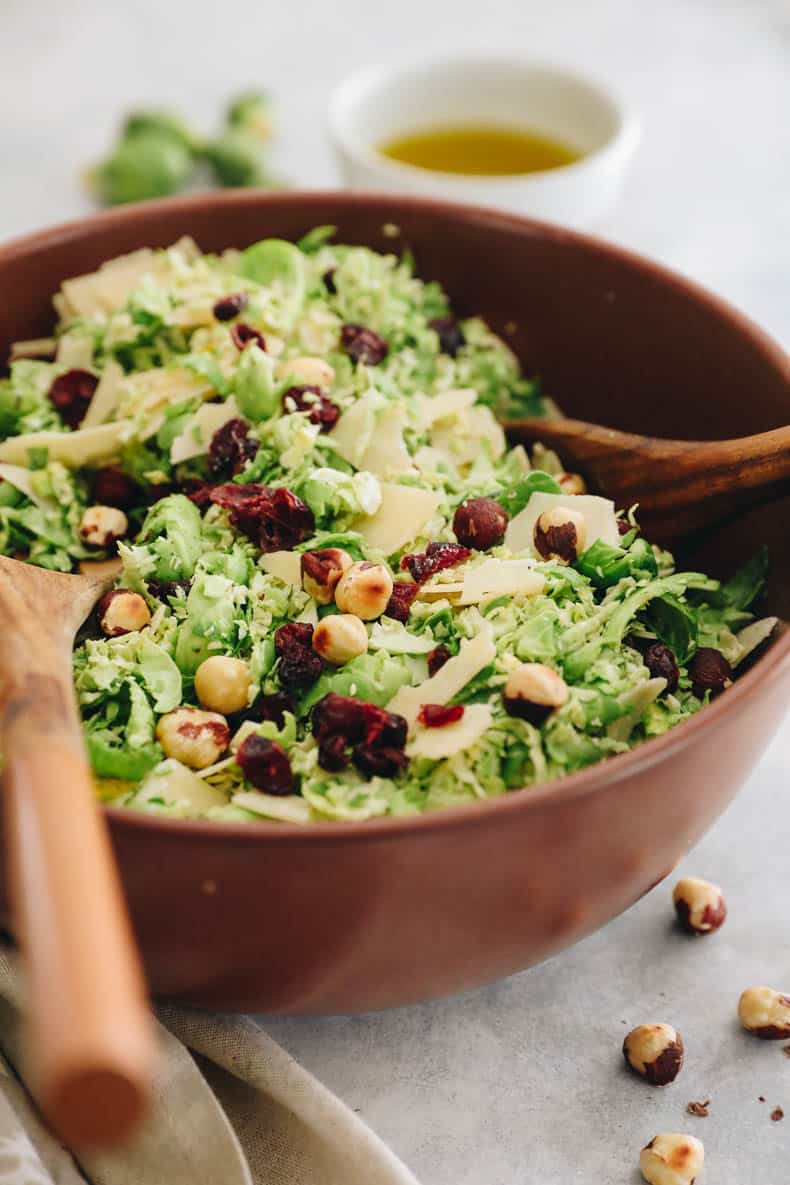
{"type": "Point", "coordinates": [340, 594]}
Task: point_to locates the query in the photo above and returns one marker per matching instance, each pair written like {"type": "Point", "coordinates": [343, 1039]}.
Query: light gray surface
{"type": "Point", "coordinates": [518, 1084]}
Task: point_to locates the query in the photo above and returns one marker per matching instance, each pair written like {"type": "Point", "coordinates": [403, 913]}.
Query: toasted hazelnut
{"type": "Point", "coordinates": [700, 906]}
{"type": "Point", "coordinates": [560, 534]}
{"type": "Point", "coordinates": [364, 589]}
{"type": "Point", "coordinates": [480, 523]}
{"type": "Point", "coordinates": [672, 1159]}
{"type": "Point", "coordinates": [655, 1053]}
{"type": "Point", "coordinates": [533, 691]}
{"type": "Point", "coordinates": [572, 483]}
{"type": "Point", "coordinates": [765, 1012]}
{"type": "Point", "coordinates": [122, 612]}
{"type": "Point", "coordinates": [222, 684]}
{"type": "Point", "coordinates": [101, 526]}
{"type": "Point", "coordinates": [193, 737]}
{"type": "Point", "coordinates": [321, 571]}
{"type": "Point", "coordinates": [340, 638]}
{"type": "Point", "coordinates": [306, 371]}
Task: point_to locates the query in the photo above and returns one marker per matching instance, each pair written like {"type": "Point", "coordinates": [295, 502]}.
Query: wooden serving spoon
{"type": "Point", "coordinates": [88, 1038]}
{"type": "Point", "coordinates": [681, 485]}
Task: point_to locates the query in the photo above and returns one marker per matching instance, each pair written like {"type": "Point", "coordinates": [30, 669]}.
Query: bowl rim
{"type": "Point", "coordinates": [767, 670]}
{"type": "Point", "coordinates": [351, 91]}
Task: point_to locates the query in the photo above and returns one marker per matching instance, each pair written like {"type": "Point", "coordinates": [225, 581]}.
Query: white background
{"type": "Point", "coordinates": [519, 1084]}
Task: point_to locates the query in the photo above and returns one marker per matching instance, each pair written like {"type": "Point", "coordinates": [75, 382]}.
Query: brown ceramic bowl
{"type": "Point", "coordinates": [355, 916]}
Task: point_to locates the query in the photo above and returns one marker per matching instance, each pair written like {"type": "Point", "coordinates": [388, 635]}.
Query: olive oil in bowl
{"type": "Point", "coordinates": [479, 150]}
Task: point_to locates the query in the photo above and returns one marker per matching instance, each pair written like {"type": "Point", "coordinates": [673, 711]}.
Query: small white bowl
{"type": "Point", "coordinates": [507, 90]}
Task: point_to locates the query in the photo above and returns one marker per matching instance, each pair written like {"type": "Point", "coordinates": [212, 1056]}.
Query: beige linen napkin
{"type": "Point", "coordinates": [230, 1108]}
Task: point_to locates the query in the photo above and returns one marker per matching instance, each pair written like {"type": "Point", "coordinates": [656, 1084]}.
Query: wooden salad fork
{"type": "Point", "coordinates": [88, 1038]}
{"type": "Point", "coordinates": [681, 486]}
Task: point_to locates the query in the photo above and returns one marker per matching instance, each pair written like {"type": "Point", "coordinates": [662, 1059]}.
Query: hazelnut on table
{"type": "Point", "coordinates": [765, 1013]}
{"type": "Point", "coordinates": [655, 1053]}
{"type": "Point", "coordinates": [364, 590]}
{"type": "Point", "coordinates": [101, 526]}
{"type": "Point", "coordinates": [122, 612]}
{"type": "Point", "coordinates": [533, 691]}
{"type": "Point", "coordinates": [699, 905]}
{"type": "Point", "coordinates": [193, 737]}
{"type": "Point", "coordinates": [672, 1159]}
{"type": "Point", "coordinates": [222, 684]}
{"type": "Point", "coordinates": [560, 534]}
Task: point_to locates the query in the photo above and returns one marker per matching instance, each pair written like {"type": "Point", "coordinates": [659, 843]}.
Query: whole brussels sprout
{"type": "Point", "coordinates": [146, 165]}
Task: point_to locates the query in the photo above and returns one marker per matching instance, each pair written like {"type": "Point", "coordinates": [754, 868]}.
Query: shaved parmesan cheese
{"type": "Point", "coordinates": [447, 405]}
{"type": "Point", "coordinates": [105, 397]}
{"type": "Point", "coordinates": [598, 515]}
{"type": "Point", "coordinates": [475, 653]}
{"type": "Point", "coordinates": [75, 351]}
{"type": "Point", "coordinates": [450, 739]}
{"type": "Point", "coordinates": [403, 513]}
{"type": "Point", "coordinates": [289, 808]}
{"type": "Point", "coordinates": [386, 453]}
{"type": "Point", "coordinates": [285, 565]}
{"type": "Point", "coordinates": [176, 784]}
{"type": "Point", "coordinates": [102, 292]}
{"type": "Point", "coordinates": [195, 438]}
{"type": "Point", "coordinates": [497, 578]}
{"type": "Point", "coordinates": [431, 460]}
{"type": "Point", "coordinates": [74, 449]}
{"type": "Point", "coordinates": [352, 433]}
{"type": "Point", "coordinates": [22, 479]}
{"type": "Point", "coordinates": [34, 347]}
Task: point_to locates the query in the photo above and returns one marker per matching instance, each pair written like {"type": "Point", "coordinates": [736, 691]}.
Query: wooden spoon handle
{"type": "Point", "coordinates": [89, 1041]}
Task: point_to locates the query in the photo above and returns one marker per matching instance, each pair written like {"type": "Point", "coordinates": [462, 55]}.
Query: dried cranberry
{"type": "Point", "coordinates": [71, 394]}
{"type": "Point", "coordinates": [274, 519]}
{"type": "Point", "coordinates": [623, 526]}
{"type": "Point", "coordinates": [111, 487]}
{"type": "Point", "coordinates": [332, 753]}
{"type": "Point", "coordinates": [242, 335]}
{"type": "Point", "coordinates": [289, 522]}
{"type": "Point", "coordinates": [294, 635]}
{"type": "Point", "coordinates": [198, 492]}
{"type": "Point", "coordinates": [401, 598]}
{"type": "Point", "coordinates": [322, 410]}
{"type": "Point", "coordinates": [437, 658]}
{"type": "Point", "coordinates": [384, 728]}
{"type": "Point", "coordinates": [451, 336]}
{"type": "Point", "coordinates": [436, 556]}
{"type": "Point", "coordinates": [265, 764]}
{"type": "Point", "coordinates": [273, 707]}
{"type": "Point", "coordinates": [709, 671]}
{"type": "Point", "coordinates": [662, 664]}
{"type": "Point", "coordinates": [339, 715]}
{"type": "Point", "coordinates": [480, 523]}
{"type": "Point", "coordinates": [299, 669]}
{"type": "Point", "coordinates": [438, 715]}
{"type": "Point", "coordinates": [231, 448]}
{"type": "Point", "coordinates": [381, 762]}
{"type": "Point", "coordinates": [329, 281]}
{"type": "Point", "coordinates": [363, 345]}
{"type": "Point", "coordinates": [230, 306]}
